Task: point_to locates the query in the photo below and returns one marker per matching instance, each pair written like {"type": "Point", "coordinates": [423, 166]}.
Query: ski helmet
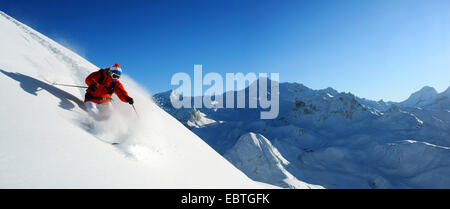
{"type": "Point", "coordinates": [115, 71]}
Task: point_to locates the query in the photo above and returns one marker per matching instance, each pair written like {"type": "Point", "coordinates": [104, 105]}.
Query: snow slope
{"type": "Point", "coordinates": [257, 157]}
{"type": "Point", "coordinates": [47, 140]}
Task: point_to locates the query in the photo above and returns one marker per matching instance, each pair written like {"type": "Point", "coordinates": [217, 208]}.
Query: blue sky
{"type": "Point", "coordinates": [373, 48]}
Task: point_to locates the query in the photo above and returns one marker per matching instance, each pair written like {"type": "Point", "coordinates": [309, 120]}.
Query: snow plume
{"type": "Point", "coordinates": [129, 127]}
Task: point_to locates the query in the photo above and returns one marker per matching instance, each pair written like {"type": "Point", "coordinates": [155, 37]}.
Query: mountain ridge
{"type": "Point", "coordinates": [333, 139]}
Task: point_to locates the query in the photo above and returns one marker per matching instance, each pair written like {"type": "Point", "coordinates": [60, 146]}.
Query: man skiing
{"type": "Point", "coordinates": [102, 84]}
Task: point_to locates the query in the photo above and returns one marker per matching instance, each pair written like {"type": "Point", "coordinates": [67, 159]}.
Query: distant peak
{"type": "Point", "coordinates": [331, 90]}
{"type": "Point", "coordinates": [428, 89]}
{"type": "Point", "coordinates": [424, 96]}
{"type": "Point", "coordinates": [294, 85]}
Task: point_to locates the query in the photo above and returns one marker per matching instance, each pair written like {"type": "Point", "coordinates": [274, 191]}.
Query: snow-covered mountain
{"type": "Point", "coordinates": [336, 140]}
{"type": "Point", "coordinates": [421, 98]}
{"type": "Point", "coordinates": [47, 140]}
{"type": "Point", "coordinates": [259, 159]}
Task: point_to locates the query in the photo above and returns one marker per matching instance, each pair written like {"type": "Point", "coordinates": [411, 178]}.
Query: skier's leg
{"type": "Point", "coordinates": [91, 108]}
{"type": "Point", "coordinates": [105, 110]}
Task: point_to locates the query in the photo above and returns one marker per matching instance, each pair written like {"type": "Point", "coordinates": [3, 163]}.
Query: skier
{"type": "Point", "coordinates": [102, 84]}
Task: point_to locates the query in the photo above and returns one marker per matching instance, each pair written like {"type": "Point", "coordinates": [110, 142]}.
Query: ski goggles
{"type": "Point", "coordinates": [115, 76]}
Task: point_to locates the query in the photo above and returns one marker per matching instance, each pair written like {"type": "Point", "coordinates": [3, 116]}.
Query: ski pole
{"type": "Point", "coordinates": [135, 110]}
{"type": "Point", "coordinates": [58, 84]}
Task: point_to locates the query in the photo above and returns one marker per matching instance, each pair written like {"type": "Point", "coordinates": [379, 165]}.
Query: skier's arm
{"type": "Point", "coordinates": [121, 93]}
{"type": "Point", "coordinates": [92, 78]}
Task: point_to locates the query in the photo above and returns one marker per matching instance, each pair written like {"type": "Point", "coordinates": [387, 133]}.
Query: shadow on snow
{"type": "Point", "coordinates": [32, 86]}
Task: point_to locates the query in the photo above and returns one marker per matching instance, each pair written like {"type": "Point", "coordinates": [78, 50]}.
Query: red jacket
{"type": "Point", "coordinates": [106, 87]}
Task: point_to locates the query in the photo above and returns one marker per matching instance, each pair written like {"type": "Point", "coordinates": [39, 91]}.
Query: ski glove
{"type": "Point", "coordinates": [129, 100]}
{"type": "Point", "coordinates": [93, 87]}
